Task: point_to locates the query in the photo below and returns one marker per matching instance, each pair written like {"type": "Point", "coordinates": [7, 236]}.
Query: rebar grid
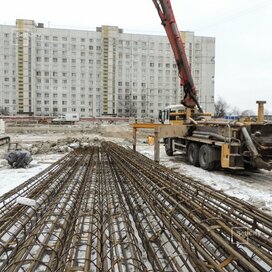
{"type": "Point", "coordinates": [163, 251]}
{"type": "Point", "coordinates": [43, 248]}
{"type": "Point", "coordinates": [112, 209]}
{"type": "Point", "coordinates": [85, 250]}
{"type": "Point", "coordinates": [121, 249]}
{"type": "Point", "coordinates": [183, 212]}
{"type": "Point", "coordinates": [20, 220]}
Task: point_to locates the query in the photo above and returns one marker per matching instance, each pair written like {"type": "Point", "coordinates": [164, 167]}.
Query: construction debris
{"type": "Point", "coordinates": [19, 159]}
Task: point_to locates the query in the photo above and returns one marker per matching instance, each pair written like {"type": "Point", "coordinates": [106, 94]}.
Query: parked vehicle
{"type": "Point", "coordinates": [68, 118]}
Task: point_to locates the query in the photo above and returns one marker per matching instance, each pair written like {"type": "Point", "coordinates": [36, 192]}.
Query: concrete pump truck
{"type": "Point", "coordinates": [209, 143]}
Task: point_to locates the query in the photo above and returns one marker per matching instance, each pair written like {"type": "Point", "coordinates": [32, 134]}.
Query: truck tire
{"type": "Point", "coordinates": [206, 157]}
{"type": "Point", "coordinates": [168, 146]}
{"type": "Point", "coordinates": [193, 154]}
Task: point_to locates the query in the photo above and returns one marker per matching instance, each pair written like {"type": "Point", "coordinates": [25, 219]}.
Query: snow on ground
{"type": "Point", "coordinates": [258, 193]}
{"type": "Point", "coordinates": [10, 178]}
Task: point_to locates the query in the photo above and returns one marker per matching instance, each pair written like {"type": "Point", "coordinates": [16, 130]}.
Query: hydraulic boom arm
{"type": "Point", "coordinates": [168, 21]}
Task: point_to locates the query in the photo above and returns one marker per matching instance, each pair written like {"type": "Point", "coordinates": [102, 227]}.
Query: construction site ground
{"type": "Point", "coordinates": [47, 145]}
{"type": "Point", "coordinates": [50, 144]}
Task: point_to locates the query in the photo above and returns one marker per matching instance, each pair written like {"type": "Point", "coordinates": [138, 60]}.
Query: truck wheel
{"type": "Point", "coordinates": [205, 157]}
{"type": "Point", "coordinates": [193, 154]}
{"type": "Point", "coordinates": [168, 146]}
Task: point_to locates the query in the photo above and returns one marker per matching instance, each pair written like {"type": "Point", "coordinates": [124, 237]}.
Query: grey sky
{"type": "Point", "coordinates": [242, 30]}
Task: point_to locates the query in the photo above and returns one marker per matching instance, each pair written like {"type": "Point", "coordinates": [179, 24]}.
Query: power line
{"type": "Point", "coordinates": [238, 14]}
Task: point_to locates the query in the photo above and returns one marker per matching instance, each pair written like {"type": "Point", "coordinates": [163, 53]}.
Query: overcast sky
{"type": "Point", "coordinates": [242, 30]}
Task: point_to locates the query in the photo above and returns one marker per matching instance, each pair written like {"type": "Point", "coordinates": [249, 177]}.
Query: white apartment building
{"type": "Point", "coordinates": [49, 71]}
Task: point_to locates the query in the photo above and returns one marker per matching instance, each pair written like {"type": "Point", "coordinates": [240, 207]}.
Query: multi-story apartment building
{"type": "Point", "coordinates": [48, 71]}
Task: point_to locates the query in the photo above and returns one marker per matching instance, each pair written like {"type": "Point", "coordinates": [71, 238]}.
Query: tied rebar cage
{"type": "Point", "coordinates": [109, 208]}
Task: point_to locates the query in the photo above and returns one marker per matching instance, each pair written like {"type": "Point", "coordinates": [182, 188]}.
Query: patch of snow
{"type": "Point", "coordinates": [257, 193]}
{"type": "Point", "coordinates": [10, 178]}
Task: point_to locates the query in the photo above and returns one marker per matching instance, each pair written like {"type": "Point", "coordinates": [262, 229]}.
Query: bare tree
{"type": "Point", "coordinates": [221, 107]}
{"type": "Point", "coordinates": [235, 111]}
{"type": "Point", "coordinates": [4, 111]}
{"type": "Point", "coordinates": [247, 113]}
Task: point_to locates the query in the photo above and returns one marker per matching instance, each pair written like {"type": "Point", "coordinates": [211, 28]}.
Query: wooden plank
{"type": "Point", "coordinates": [171, 131]}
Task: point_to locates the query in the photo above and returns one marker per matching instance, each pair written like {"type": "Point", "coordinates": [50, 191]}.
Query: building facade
{"type": "Point", "coordinates": [48, 71]}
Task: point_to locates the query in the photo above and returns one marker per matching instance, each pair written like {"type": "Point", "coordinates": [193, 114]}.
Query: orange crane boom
{"type": "Point", "coordinates": [166, 14]}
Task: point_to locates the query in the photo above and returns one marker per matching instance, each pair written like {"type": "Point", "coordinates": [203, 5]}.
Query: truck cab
{"type": "Point", "coordinates": [173, 114]}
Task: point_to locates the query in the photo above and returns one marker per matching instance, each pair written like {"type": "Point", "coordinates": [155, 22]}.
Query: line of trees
{"type": "Point", "coordinates": [222, 108]}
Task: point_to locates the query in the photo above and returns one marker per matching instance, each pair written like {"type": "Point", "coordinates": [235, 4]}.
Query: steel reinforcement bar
{"type": "Point", "coordinates": [216, 235]}
{"type": "Point", "coordinates": [112, 209]}
{"type": "Point", "coordinates": [104, 239]}
{"type": "Point", "coordinates": [18, 220]}
{"type": "Point", "coordinates": [39, 234]}
{"type": "Point", "coordinates": [229, 207]}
